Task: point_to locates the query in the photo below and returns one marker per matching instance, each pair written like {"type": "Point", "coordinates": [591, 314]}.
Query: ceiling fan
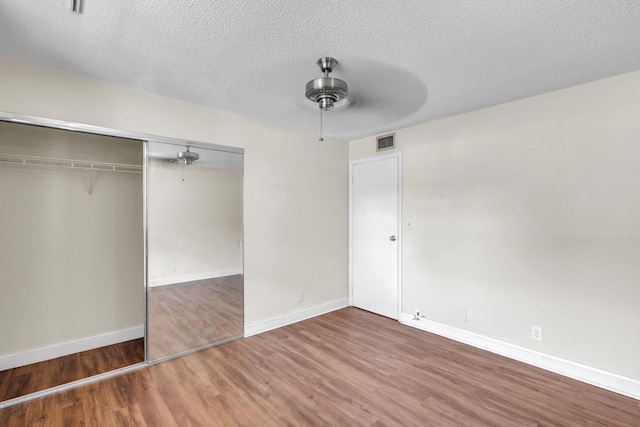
{"type": "Point", "coordinates": [326, 91]}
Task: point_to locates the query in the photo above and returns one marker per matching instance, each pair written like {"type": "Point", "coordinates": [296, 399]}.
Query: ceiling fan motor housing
{"type": "Point", "coordinates": [326, 90]}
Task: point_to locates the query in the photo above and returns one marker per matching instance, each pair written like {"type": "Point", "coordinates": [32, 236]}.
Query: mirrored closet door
{"type": "Point", "coordinates": [194, 248]}
{"type": "Point", "coordinates": [73, 203]}
{"type": "Point", "coordinates": [71, 256]}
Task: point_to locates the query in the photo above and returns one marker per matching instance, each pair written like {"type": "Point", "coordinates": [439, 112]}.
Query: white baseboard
{"type": "Point", "coordinates": [28, 357]}
{"type": "Point", "coordinates": [594, 376]}
{"type": "Point", "coordinates": [297, 316]}
{"type": "Point", "coordinates": [191, 277]}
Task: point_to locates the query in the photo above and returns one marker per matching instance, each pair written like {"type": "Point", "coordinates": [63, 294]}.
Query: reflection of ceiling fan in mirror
{"type": "Point", "coordinates": [187, 157]}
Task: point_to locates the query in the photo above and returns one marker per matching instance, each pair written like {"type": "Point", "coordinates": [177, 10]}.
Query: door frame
{"type": "Point", "coordinates": [352, 163]}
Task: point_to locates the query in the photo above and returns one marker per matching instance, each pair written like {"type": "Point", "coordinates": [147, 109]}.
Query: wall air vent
{"type": "Point", "coordinates": [386, 142]}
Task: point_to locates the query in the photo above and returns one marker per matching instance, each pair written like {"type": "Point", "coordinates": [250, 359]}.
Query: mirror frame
{"type": "Point", "coordinates": [145, 139]}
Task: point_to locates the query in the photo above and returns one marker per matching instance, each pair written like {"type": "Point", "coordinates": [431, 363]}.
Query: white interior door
{"type": "Point", "coordinates": [375, 241]}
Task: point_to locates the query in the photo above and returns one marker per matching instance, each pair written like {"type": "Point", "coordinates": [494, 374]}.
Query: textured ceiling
{"type": "Point", "coordinates": [406, 62]}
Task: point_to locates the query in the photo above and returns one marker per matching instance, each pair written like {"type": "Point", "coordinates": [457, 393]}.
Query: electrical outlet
{"type": "Point", "coordinates": [463, 314]}
{"type": "Point", "coordinates": [536, 333]}
{"type": "Point", "coordinates": [173, 268]}
{"type": "Point", "coordinates": [417, 315]}
{"type": "Point", "coordinates": [300, 296]}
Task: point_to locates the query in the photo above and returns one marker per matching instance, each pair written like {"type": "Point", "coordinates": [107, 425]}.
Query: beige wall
{"type": "Point", "coordinates": [526, 214]}
{"type": "Point", "coordinates": [295, 188]}
{"type": "Point", "coordinates": [71, 253]}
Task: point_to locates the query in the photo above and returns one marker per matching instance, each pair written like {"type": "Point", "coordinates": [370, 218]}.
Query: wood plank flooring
{"type": "Point", "coordinates": [345, 368]}
{"type": "Point", "coordinates": [193, 314]}
{"type": "Point", "coordinates": [50, 373]}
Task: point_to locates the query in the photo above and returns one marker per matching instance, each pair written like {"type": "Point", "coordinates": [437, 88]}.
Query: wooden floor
{"type": "Point", "coordinates": [346, 368]}
{"type": "Point", "coordinates": [193, 314]}
{"type": "Point", "coordinates": [50, 373]}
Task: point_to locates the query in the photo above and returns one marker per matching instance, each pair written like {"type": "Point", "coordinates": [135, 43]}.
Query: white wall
{"type": "Point", "coordinates": [194, 218]}
{"type": "Point", "coordinates": [71, 261]}
{"type": "Point", "coordinates": [295, 188]}
{"type": "Point", "coordinates": [528, 213]}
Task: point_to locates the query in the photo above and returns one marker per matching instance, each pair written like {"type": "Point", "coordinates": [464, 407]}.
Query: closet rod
{"type": "Point", "coordinates": [66, 163]}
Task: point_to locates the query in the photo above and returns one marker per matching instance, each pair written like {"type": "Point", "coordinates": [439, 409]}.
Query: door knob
{"type": "Point", "coordinates": [392, 238]}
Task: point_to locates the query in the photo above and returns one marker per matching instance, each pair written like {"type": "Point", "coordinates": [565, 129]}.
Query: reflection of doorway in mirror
{"type": "Point", "coordinates": [71, 256]}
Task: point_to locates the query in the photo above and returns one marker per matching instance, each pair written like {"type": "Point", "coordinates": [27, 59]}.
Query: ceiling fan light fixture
{"type": "Point", "coordinates": [326, 91]}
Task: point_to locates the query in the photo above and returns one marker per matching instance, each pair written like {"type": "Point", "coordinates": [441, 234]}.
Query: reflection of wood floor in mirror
{"type": "Point", "coordinates": [345, 368]}
{"type": "Point", "coordinates": [193, 314]}
{"type": "Point", "coordinates": [50, 373]}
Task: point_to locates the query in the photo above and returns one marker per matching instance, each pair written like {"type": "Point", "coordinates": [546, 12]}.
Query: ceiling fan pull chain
{"type": "Point", "coordinates": [321, 139]}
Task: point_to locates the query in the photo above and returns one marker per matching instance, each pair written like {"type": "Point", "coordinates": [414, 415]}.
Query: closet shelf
{"type": "Point", "coordinates": [65, 163]}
